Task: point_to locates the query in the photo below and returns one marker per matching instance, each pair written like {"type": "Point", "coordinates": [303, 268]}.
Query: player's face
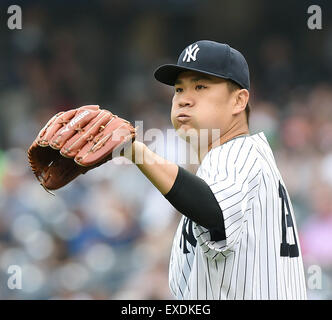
{"type": "Point", "coordinates": [201, 101]}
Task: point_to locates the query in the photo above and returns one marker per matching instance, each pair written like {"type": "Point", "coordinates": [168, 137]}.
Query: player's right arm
{"type": "Point", "coordinates": [233, 172]}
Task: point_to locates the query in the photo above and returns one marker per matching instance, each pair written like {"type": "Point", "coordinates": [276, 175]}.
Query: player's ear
{"type": "Point", "coordinates": [241, 100]}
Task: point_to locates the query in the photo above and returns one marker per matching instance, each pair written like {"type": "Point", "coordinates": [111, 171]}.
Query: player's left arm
{"type": "Point", "coordinates": [189, 194]}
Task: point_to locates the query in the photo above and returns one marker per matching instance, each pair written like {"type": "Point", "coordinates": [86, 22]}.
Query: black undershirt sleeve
{"type": "Point", "coordinates": [192, 197]}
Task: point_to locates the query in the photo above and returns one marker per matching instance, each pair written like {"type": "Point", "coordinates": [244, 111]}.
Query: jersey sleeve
{"type": "Point", "coordinates": [233, 172]}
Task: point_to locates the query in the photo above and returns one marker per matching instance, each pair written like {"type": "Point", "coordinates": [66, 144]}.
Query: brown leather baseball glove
{"type": "Point", "coordinates": [76, 141]}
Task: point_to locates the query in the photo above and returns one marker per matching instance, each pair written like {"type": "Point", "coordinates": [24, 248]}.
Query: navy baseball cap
{"type": "Point", "coordinates": [209, 57]}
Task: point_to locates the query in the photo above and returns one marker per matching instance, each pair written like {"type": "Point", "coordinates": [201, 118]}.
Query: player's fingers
{"type": "Point", "coordinates": [59, 121]}
{"type": "Point", "coordinates": [74, 126]}
{"type": "Point", "coordinates": [116, 132]}
{"type": "Point", "coordinates": [41, 137]}
{"type": "Point", "coordinates": [89, 132]}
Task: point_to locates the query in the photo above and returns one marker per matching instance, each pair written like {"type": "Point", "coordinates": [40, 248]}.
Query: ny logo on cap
{"type": "Point", "coordinates": [191, 53]}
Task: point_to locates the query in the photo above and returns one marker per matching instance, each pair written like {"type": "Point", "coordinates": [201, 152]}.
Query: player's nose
{"type": "Point", "coordinates": [185, 101]}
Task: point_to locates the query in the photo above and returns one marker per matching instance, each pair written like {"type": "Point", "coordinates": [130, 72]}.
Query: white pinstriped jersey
{"type": "Point", "coordinates": [261, 256]}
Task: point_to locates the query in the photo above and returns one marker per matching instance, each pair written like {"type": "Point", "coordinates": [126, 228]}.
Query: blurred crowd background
{"type": "Point", "coordinates": [108, 234]}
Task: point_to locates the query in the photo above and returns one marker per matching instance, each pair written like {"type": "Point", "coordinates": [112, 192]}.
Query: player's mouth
{"type": "Point", "coordinates": [182, 117]}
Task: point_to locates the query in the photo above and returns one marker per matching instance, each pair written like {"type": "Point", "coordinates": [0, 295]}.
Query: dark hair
{"type": "Point", "coordinates": [232, 86]}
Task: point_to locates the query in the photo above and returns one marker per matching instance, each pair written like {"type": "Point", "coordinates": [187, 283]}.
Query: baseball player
{"type": "Point", "coordinates": [237, 238]}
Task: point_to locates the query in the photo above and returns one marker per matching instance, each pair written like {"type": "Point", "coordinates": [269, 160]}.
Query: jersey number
{"type": "Point", "coordinates": [187, 236]}
{"type": "Point", "coordinates": [286, 249]}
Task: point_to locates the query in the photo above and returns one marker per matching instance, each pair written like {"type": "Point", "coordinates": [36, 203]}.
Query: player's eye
{"type": "Point", "coordinates": [199, 87]}
{"type": "Point", "coordinates": [178, 89]}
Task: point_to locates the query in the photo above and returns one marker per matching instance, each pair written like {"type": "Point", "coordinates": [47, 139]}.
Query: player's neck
{"type": "Point", "coordinates": [238, 128]}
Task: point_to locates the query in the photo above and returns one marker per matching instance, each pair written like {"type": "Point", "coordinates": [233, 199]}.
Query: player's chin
{"type": "Point", "coordinates": [186, 132]}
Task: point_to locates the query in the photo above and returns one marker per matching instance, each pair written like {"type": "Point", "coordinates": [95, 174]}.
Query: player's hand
{"type": "Point", "coordinates": [76, 141]}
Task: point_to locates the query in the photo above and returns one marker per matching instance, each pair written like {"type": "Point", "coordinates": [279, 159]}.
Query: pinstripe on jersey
{"type": "Point", "coordinates": [249, 264]}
